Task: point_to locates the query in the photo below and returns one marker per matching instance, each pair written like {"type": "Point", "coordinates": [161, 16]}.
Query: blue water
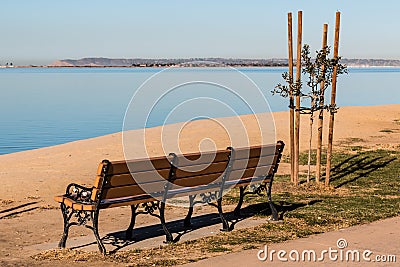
{"type": "Point", "coordinates": [44, 107]}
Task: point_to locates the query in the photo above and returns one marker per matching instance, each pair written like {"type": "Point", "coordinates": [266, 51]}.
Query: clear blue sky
{"type": "Point", "coordinates": [41, 31]}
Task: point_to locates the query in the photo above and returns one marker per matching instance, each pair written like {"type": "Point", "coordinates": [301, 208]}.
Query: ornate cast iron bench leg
{"type": "Point", "coordinates": [81, 217]}
{"type": "Point", "coordinates": [67, 214]}
{"type": "Point", "coordinates": [274, 212]}
{"type": "Point", "coordinates": [95, 220]}
{"type": "Point", "coordinates": [168, 235]}
{"type": "Point", "coordinates": [236, 212]}
{"type": "Point", "coordinates": [225, 225]}
{"type": "Point", "coordinates": [132, 224]}
{"type": "Point", "coordinates": [187, 222]}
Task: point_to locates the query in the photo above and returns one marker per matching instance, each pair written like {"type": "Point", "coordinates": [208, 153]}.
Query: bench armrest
{"type": "Point", "coordinates": [79, 192]}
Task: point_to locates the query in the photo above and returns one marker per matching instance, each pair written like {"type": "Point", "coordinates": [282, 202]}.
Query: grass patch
{"type": "Point", "coordinates": [364, 188]}
{"type": "Point", "coordinates": [303, 157]}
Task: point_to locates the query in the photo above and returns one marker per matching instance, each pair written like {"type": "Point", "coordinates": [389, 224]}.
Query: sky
{"type": "Point", "coordinates": [42, 31]}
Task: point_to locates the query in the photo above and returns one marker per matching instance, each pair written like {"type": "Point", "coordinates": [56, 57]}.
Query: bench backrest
{"type": "Point", "coordinates": [196, 171]}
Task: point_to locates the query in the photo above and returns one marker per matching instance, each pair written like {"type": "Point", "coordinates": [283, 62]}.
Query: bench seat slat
{"type": "Point", "coordinates": [255, 151]}
{"type": "Point", "coordinates": [133, 200]}
{"type": "Point", "coordinates": [253, 162]}
{"type": "Point", "coordinates": [139, 165]}
{"type": "Point", "coordinates": [132, 179]}
{"type": "Point", "coordinates": [122, 191]}
{"type": "Point", "coordinates": [189, 159]}
{"type": "Point", "coordinates": [250, 172]}
{"type": "Point", "coordinates": [74, 204]}
{"type": "Point", "coordinates": [200, 158]}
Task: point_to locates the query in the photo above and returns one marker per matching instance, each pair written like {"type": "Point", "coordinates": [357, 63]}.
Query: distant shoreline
{"type": "Point", "coordinates": [162, 67]}
{"type": "Point", "coordinates": [136, 67]}
{"type": "Point", "coordinates": [99, 62]}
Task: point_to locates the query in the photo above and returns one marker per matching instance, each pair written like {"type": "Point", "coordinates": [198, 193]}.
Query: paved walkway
{"type": "Point", "coordinates": [376, 241]}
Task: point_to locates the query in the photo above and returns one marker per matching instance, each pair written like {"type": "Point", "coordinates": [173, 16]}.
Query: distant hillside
{"type": "Point", "coordinates": [141, 62]}
{"type": "Point", "coordinates": [371, 62]}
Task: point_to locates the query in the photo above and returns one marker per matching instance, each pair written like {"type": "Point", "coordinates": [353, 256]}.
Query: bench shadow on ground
{"type": "Point", "coordinates": [118, 240]}
{"type": "Point", "coordinates": [8, 213]}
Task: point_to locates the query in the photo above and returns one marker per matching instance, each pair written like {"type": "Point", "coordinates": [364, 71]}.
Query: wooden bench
{"type": "Point", "coordinates": [150, 183]}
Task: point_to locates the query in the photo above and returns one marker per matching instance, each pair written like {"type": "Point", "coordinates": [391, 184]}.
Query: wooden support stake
{"type": "Point", "coordinates": [333, 102]}
{"type": "Point", "coordinates": [321, 111]}
{"type": "Point", "coordinates": [298, 81]}
{"type": "Point", "coordinates": [291, 98]}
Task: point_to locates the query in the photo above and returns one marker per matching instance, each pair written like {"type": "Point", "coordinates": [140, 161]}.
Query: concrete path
{"type": "Point", "coordinates": [374, 243]}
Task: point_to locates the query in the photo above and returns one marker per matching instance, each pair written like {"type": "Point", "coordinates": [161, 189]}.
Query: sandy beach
{"type": "Point", "coordinates": [30, 179]}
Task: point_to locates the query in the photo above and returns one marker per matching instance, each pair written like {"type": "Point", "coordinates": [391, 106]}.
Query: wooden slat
{"type": "Point", "coordinates": [137, 178]}
{"type": "Point", "coordinates": [139, 165]}
{"type": "Point", "coordinates": [78, 206]}
{"type": "Point", "coordinates": [256, 151]}
{"type": "Point", "coordinates": [254, 162]}
{"type": "Point", "coordinates": [201, 158]}
{"type": "Point", "coordinates": [215, 187]}
{"type": "Point", "coordinates": [123, 191]}
{"type": "Point", "coordinates": [203, 169]}
{"type": "Point", "coordinates": [98, 181]}
{"type": "Point", "coordinates": [158, 186]}
{"type": "Point", "coordinates": [136, 200]}
{"type": "Point", "coordinates": [59, 199]}
{"type": "Point", "coordinates": [244, 182]}
{"type": "Point", "coordinates": [120, 180]}
{"type": "Point", "coordinates": [248, 180]}
{"type": "Point", "coordinates": [93, 197]}
{"type": "Point", "coordinates": [198, 180]}
{"type": "Point", "coordinates": [99, 168]}
{"type": "Point", "coordinates": [251, 172]}
{"type": "Point", "coordinates": [181, 192]}
{"type": "Point", "coordinates": [189, 159]}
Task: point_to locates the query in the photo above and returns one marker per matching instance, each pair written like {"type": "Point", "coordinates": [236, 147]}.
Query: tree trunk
{"type": "Point", "coordinates": [333, 103]}
{"type": "Point", "coordinates": [310, 142]}
{"type": "Point", "coordinates": [321, 112]}
{"type": "Point", "coordinates": [298, 80]}
{"type": "Point", "coordinates": [291, 98]}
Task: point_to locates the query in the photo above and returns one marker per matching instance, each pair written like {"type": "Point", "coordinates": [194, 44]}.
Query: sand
{"type": "Point", "coordinates": [30, 179]}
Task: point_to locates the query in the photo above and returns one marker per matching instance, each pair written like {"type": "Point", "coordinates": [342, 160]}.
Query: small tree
{"type": "Point", "coordinates": [318, 72]}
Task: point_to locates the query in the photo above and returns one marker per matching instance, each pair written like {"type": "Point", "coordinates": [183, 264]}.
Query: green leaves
{"type": "Point", "coordinates": [319, 74]}
{"type": "Point", "coordinates": [285, 90]}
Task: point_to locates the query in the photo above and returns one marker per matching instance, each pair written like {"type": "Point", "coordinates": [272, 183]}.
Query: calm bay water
{"type": "Point", "coordinates": [44, 107]}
